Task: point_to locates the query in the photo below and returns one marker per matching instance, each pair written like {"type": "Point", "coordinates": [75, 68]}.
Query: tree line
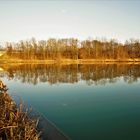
{"type": "Point", "coordinates": [72, 48]}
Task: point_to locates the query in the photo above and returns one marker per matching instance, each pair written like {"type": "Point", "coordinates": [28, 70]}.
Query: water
{"type": "Point", "coordinates": [100, 102]}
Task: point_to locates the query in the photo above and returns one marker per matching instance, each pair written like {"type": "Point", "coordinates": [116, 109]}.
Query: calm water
{"type": "Point", "coordinates": [100, 102]}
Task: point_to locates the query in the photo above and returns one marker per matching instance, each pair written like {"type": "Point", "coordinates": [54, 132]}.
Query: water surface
{"type": "Point", "coordinates": [85, 101]}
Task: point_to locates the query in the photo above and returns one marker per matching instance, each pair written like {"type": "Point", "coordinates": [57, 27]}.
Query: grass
{"type": "Point", "coordinates": [68, 61]}
{"type": "Point", "coordinates": [15, 124]}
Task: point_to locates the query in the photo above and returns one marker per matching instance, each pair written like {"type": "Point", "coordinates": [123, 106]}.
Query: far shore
{"type": "Point", "coordinates": [71, 61]}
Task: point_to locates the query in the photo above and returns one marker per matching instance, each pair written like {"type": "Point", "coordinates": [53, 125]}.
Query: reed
{"type": "Point", "coordinates": [15, 124]}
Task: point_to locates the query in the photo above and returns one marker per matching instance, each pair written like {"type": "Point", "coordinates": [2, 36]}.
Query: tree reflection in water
{"type": "Point", "coordinates": [53, 73]}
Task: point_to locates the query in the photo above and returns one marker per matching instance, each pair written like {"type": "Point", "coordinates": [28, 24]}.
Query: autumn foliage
{"type": "Point", "coordinates": [72, 48]}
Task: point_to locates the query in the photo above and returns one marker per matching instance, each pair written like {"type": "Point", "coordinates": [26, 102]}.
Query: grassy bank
{"type": "Point", "coordinates": [71, 61]}
{"type": "Point", "coordinates": [14, 123]}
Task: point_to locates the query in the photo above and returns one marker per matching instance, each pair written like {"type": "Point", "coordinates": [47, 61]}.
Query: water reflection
{"type": "Point", "coordinates": [92, 74]}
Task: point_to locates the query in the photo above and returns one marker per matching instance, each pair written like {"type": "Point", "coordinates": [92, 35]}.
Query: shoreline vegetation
{"type": "Point", "coordinates": [71, 61]}
{"type": "Point", "coordinates": [15, 124]}
{"type": "Point", "coordinates": [70, 50]}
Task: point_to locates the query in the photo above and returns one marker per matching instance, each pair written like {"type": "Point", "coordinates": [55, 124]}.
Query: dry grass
{"type": "Point", "coordinates": [14, 123]}
{"type": "Point", "coordinates": [68, 61]}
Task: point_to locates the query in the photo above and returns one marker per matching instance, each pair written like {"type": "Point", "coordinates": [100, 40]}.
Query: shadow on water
{"type": "Point", "coordinates": [91, 73]}
{"type": "Point", "coordinates": [48, 130]}
{"type": "Point", "coordinates": [45, 127]}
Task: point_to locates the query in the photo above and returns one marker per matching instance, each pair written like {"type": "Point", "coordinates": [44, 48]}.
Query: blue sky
{"type": "Point", "coordinates": [82, 19]}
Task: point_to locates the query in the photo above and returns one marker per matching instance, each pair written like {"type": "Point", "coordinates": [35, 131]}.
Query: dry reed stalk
{"type": "Point", "coordinates": [14, 123]}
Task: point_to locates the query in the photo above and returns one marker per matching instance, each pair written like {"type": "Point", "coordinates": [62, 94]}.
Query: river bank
{"type": "Point", "coordinates": [70, 61]}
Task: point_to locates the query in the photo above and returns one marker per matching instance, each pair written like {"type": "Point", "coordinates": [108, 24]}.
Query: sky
{"type": "Point", "coordinates": [82, 19]}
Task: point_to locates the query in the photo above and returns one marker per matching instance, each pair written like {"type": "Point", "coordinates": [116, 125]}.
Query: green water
{"type": "Point", "coordinates": [84, 108]}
